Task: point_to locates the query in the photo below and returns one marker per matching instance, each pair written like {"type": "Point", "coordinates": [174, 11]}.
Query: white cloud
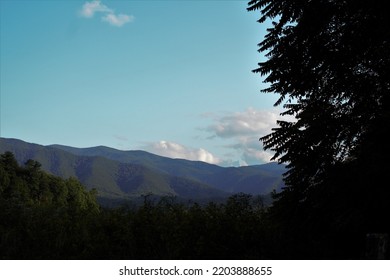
{"type": "Point", "coordinates": [256, 156]}
{"type": "Point", "coordinates": [250, 150]}
{"type": "Point", "coordinates": [90, 8]}
{"type": "Point", "coordinates": [245, 129]}
{"type": "Point", "coordinates": [117, 20]}
{"type": "Point", "coordinates": [250, 122]}
{"type": "Point", "coordinates": [175, 150]}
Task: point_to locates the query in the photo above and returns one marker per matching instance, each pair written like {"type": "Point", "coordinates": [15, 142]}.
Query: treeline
{"type": "Point", "coordinates": [46, 217]}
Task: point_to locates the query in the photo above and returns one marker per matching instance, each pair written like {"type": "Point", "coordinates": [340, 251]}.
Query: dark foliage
{"type": "Point", "coordinates": [42, 216]}
{"type": "Point", "coordinates": [329, 61]}
{"type": "Point", "coordinates": [46, 217]}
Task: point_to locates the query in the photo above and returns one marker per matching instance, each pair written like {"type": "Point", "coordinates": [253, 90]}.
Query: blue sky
{"type": "Point", "coordinates": [170, 77]}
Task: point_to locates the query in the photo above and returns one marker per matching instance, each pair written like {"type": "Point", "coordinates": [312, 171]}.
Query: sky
{"type": "Point", "coordinates": [169, 77]}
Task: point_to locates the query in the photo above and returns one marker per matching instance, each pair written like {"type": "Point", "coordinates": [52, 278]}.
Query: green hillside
{"type": "Point", "coordinates": [120, 175]}
{"type": "Point", "coordinates": [259, 179]}
{"type": "Point", "coordinates": [112, 179]}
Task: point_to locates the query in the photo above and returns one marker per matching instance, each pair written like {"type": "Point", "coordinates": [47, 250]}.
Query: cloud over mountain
{"type": "Point", "coordinates": [175, 150]}
{"type": "Point", "coordinates": [248, 123]}
{"type": "Point", "coordinates": [244, 129]}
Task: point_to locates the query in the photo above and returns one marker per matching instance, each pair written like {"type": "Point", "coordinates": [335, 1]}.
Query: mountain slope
{"type": "Point", "coordinates": [259, 179]}
{"type": "Point", "coordinates": [112, 179]}
{"type": "Point", "coordinates": [127, 174]}
{"type": "Point", "coordinates": [176, 167]}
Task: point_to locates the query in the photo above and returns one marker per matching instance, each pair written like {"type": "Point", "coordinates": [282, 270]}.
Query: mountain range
{"type": "Point", "coordinates": [121, 175]}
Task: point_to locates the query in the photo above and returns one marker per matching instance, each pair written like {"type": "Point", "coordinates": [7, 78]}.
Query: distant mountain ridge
{"type": "Point", "coordinates": [127, 174]}
{"type": "Point", "coordinates": [257, 179]}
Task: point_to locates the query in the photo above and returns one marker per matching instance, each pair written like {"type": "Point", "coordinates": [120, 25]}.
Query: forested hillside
{"type": "Point", "coordinates": [127, 175]}
{"type": "Point", "coordinates": [46, 217]}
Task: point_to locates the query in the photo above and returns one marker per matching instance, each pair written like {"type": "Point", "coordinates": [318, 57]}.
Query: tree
{"type": "Point", "coordinates": [329, 62]}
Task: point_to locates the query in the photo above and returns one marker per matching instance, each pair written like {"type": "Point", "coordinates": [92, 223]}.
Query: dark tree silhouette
{"type": "Point", "coordinates": [329, 61]}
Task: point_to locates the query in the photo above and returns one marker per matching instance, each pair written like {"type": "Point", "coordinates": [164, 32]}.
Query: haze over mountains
{"type": "Point", "coordinates": [122, 175]}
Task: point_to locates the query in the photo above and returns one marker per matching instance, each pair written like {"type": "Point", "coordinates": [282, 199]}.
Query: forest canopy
{"type": "Point", "coordinates": [47, 217]}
